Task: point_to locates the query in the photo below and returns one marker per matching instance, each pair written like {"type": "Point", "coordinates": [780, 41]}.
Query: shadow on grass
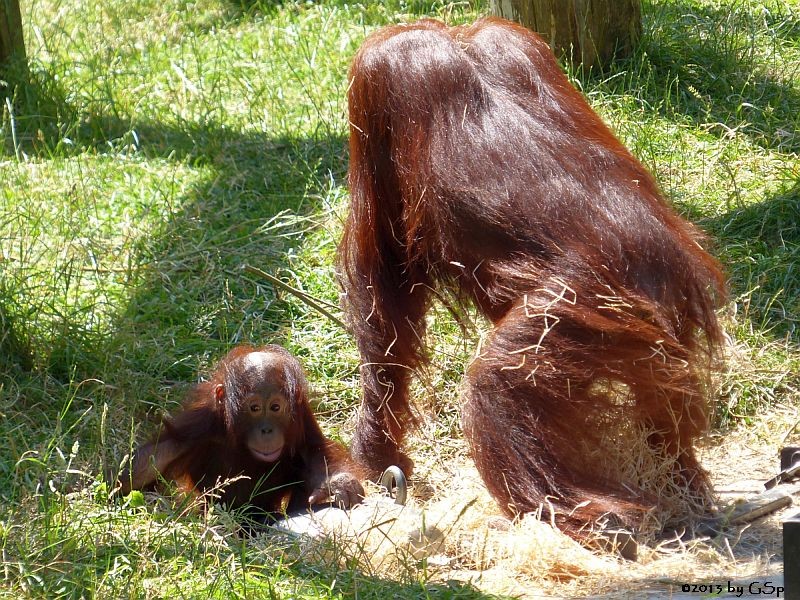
{"type": "Point", "coordinates": [708, 63]}
{"type": "Point", "coordinates": [760, 246]}
{"type": "Point", "coordinates": [192, 296]}
{"type": "Point", "coordinates": [14, 350]}
{"type": "Point", "coordinates": [189, 294]}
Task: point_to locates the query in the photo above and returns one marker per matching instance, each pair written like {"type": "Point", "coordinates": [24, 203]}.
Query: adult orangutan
{"type": "Point", "coordinates": [249, 432]}
{"type": "Point", "coordinates": [476, 169]}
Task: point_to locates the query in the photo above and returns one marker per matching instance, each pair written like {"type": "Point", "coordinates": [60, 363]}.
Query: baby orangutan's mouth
{"type": "Point", "coordinates": [267, 456]}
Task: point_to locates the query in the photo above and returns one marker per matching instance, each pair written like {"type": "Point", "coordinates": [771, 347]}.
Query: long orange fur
{"type": "Point", "coordinates": [478, 169]}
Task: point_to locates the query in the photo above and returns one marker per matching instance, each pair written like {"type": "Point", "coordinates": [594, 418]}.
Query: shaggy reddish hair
{"type": "Point", "coordinates": [477, 169]}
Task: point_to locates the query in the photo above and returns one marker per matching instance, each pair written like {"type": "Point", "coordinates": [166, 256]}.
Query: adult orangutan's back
{"type": "Point", "coordinates": [476, 165]}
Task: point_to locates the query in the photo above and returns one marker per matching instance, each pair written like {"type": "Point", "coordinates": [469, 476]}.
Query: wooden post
{"type": "Point", "coordinates": [791, 557]}
{"type": "Point", "coordinates": [11, 42]}
{"type": "Point", "coordinates": [589, 32]}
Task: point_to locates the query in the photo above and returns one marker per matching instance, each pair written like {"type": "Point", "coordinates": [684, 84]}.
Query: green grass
{"type": "Point", "coordinates": [151, 150]}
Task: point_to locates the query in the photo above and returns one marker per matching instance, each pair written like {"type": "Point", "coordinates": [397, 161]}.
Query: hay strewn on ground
{"type": "Point", "coordinates": [530, 558]}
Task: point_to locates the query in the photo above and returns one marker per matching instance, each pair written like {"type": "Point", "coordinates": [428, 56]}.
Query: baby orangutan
{"type": "Point", "coordinates": [251, 424]}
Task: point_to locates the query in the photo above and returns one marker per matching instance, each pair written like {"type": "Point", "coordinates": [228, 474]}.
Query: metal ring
{"type": "Point", "coordinates": [394, 475]}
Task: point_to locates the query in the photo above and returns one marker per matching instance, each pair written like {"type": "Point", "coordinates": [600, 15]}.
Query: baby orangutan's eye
{"type": "Point", "coordinates": [254, 408]}
{"type": "Point", "coordinates": [275, 407]}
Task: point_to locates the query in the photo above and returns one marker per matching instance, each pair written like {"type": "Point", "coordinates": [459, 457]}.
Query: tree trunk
{"type": "Point", "coordinates": [11, 42]}
{"type": "Point", "coordinates": [589, 32]}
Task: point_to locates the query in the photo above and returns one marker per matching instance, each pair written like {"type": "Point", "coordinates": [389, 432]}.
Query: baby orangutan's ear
{"type": "Point", "coordinates": [219, 393]}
